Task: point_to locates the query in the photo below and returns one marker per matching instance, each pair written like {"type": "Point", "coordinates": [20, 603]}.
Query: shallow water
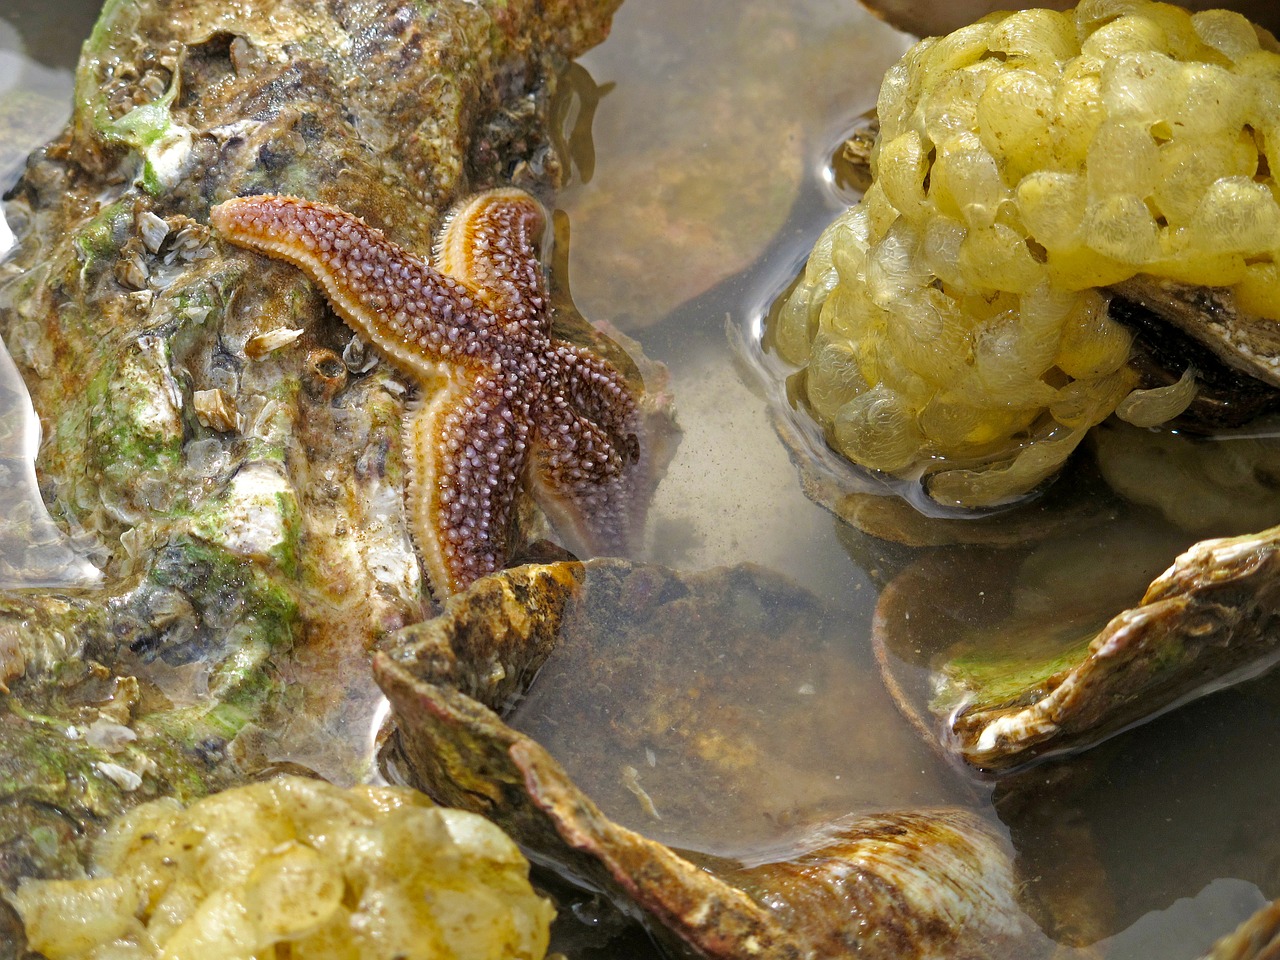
{"type": "Point", "coordinates": [693, 204]}
{"type": "Point", "coordinates": [35, 100]}
{"type": "Point", "coordinates": [1151, 846]}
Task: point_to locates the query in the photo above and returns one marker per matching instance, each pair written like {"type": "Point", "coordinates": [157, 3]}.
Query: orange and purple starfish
{"type": "Point", "coordinates": [504, 406]}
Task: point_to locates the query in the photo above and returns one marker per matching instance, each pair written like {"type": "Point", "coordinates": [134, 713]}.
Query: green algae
{"type": "Point", "coordinates": [103, 235]}
{"type": "Point", "coordinates": [1000, 676]}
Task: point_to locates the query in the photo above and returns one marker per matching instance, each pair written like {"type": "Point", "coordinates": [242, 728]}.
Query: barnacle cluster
{"type": "Point", "coordinates": [294, 868]}
{"type": "Point", "coordinates": [954, 323]}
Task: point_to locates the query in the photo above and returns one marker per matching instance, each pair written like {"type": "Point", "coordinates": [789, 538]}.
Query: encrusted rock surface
{"type": "Point", "coordinates": [229, 457]}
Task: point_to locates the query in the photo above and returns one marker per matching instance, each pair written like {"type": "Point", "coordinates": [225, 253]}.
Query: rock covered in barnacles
{"type": "Point", "coordinates": [953, 325]}
{"type": "Point", "coordinates": [921, 884]}
{"type": "Point", "coordinates": [240, 487]}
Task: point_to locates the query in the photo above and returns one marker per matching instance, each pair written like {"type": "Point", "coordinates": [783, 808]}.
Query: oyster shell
{"type": "Point", "coordinates": [1162, 836]}
{"type": "Point", "coordinates": [1036, 677]}
{"type": "Point", "coordinates": [1255, 939]}
{"type": "Point", "coordinates": [733, 677]}
{"type": "Point", "coordinates": [910, 884]}
{"type": "Point", "coordinates": [13, 938]}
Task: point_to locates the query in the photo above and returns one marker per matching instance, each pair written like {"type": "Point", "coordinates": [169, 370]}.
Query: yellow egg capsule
{"type": "Point", "coordinates": [1025, 162]}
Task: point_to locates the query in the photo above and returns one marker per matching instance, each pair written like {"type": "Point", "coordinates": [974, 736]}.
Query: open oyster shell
{"type": "Point", "coordinates": [907, 884]}
{"type": "Point", "coordinates": [1031, 683]}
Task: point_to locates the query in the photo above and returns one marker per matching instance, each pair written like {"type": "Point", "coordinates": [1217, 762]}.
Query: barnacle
{"type": "Point", "coordinates": [954, 324]}
{"type": "Point", "coordinates": [294, 868]}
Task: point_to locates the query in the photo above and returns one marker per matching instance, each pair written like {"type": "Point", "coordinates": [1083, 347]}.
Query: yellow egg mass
{"type": "Point", "coordinates": [951, 323]}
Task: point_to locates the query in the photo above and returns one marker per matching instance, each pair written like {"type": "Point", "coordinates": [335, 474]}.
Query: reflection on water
{"type": "Point", "coordinates": [711, 144]}
{"type": "Point", "coordinates": [34, 552]}
{"type": "Point", "coordinates": [35, 94]}
{"type": "Point", "coordinates": [35, 101]}
{"type": "Point", "coordinates": [705, 138]}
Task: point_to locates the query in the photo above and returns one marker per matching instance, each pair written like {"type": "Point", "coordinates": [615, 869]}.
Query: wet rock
{"type": "Point", "coordinates": [247, 519]}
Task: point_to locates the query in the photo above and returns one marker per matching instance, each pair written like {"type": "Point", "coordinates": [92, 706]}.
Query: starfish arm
{"type": "Point", "coordinates": [595, 388]}
{"type": "Point", "coordinates": [491, 243]}
{"type": "Point", "coordinates": [496, 388]}
{"type": "Point", "coordinates": [416, 316]}
{"type": "Point", "coordinates": [466, 448]}
{"type": "Point", "coordinates": [588, 462]}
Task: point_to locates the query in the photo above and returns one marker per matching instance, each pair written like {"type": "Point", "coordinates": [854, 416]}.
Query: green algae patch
{"type": "Point", "coordinates": [1019, 672]}
{"type": "Point", "coordinates": [287, 553]}
{"type": "Point", "coordinates": [245, 685]}
{"type": "Point", "coordinates": [103, 235]}
{"type": "Point", "coordinates": [126, 436]}
{"type": "Point", "coordinates": [54, 783]}
{"type": "Point", "coordinates": [151, 132]}
{"type": "Point", "coordinates": [247, 617]}
{"type": "Point", "coordinates": [147, 129]}
{"type": "Point", "coordinates": [257, 517]}
{"type": "Point", "coordinates": [228, 592]}
{"type": "Point", "coordinates": [1006, 663]}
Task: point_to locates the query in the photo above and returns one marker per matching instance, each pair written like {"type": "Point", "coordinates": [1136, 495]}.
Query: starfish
{"type": "Point", "coordinates": [503, 406]}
